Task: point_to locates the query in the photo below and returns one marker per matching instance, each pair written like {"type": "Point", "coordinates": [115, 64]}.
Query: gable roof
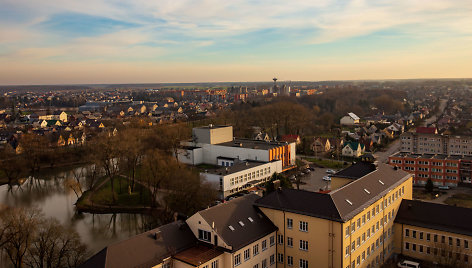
{"type": "Point", "coordinates": [334, 205]}
{"type": "Point", "coordinates": [435, 216]}
{"type": "Point", "coordinates": [301, 202]}
{"type": "Point", "coordinates": [354, 145]}
{"type": "Point", "coordinates": [353, 116]}
{"type": "Point", "coordinates": [145, 250]}
{"type": "Point", "coordinates": [231, 213]}
{"type": "Point", "coordinates": [356, 171]}
{"type": "Point", "coordinates": [428, 130]}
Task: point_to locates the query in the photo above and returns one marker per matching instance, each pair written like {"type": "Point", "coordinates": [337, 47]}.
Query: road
{"type": "Point", "coordinates": [382, 156]}
{"type": "Point", "coordinates": [434, 118]}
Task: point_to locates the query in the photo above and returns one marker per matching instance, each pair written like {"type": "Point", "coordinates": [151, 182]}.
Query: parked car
{"type": "Point", "coordinates": [327, 178]}
{"type": "Point", "coordinates": [330, 171]}
{"type": "Point", "coordinates": [408, 264]}
{"type": "Point", "coordinates": [443, 188]}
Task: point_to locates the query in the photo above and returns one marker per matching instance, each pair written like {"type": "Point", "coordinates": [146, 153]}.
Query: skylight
{"type": "Point", "coordinates": [250, 219]}
{"type": "Point", "coordinates": [231, 228]}
{"type": "Point", "coordinates": [349, 202]}
{"type": "Point", "coordinates": [241, 223]}
{"type": "Point", "coordinates": [381, 182]}
{"type": "Point", "coordinates": [367, 191]}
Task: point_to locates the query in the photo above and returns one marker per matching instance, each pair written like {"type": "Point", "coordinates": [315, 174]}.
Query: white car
{"type": "Point", "coordinates": [330, 171]}
{"type": "Point", "coordinates": [327, 178]}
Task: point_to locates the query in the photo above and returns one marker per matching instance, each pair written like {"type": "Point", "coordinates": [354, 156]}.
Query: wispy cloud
{"type": "Point", "coordinates": [160, 32]}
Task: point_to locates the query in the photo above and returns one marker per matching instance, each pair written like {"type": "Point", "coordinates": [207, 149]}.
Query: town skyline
{"type": "Point", "coordinates": [190, 41]}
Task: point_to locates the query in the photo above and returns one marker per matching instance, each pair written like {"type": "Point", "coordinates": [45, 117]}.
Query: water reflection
{"type": "Point", "coordinates": [50, 193]}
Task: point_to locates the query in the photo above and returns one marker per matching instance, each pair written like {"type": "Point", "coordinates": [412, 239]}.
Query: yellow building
{"type": "Point", "coordinates": [435, 233]}
{"type": "Point", "coordinates": [349, 227]}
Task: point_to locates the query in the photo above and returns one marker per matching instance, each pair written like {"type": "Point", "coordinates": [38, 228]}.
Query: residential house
{"type": "Point", "coordinates": [321, 145]}
{"type": "Point", "coordinates": [262, 136]}
{"type": "Point", "coordinates": [350, 119]}
{"type": "Point", "coordinates": [353, 149]}
{"type": "Point", "coordinates": [291, 138]}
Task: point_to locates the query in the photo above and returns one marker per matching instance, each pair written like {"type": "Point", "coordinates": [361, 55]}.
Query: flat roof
{"type": "Point", "coordinates": [356, 171]}
{"type": "Point", "coordinates": [431, 156]}
{"type": "Point", "coordinates": [212, 127]}
{"type": "Point", "coordinates": [236, 168]}
{"type": "Point", "coordinates": [252, 144]}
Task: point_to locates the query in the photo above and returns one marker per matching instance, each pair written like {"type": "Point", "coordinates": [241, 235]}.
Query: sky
{"type": "Point", "coordinates": [143, 41]}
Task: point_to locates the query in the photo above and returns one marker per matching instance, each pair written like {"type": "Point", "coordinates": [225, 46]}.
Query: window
{"type": "Point", "coordinates": [353, 227]}
{"type": "Point", "coordinates": [264, 245]}
{"type": "Point", "coordinates": [443, 239]}
{"type": "Point", "coordinates": [303, 245]}
{"type": "Point", "coordinates": [363, 219]}
{"type": "Point", "coordinates": [363, 256]}
{"type": "Point", "coordinates": [458, 242]}
{"type": "Point", "coordinates": [256, 265]}
{"type": "Point", "coordinates": [407, 232]}
{"type": "Point", "coordinates": [280, 239]}
{"type": "Point", "coordinates": [289, 241]}
{"type": "Point", "coordinates": [363, 237]}
{"type": "Point", "coordinates": [450, 241]}
{"type": "Point", "coordinates": [303, 263]}
{"type": "Point", "coordinates": [435, 238]}
{"type": "Point", "coordinates": [368, 215]}
{"type": "Point", "coordinates": [255, 250]}
{"type": "Point", "coordinates": [466, 244]}
{"type": "Point", "coordinates": [414, 234]}
{"type": "Point", "coordinates": [414, 247]}
{"type": "Point", "coordinates": [271, 240]}
{"type": "Point", "coordinates": [347, 250]}
{"type": "Point", "coordinates": [358, 223]}
{"type": "Point", "coordinates": [264, 263]}
{"type": "Point", "coordinates": [280, 258]}
{"type": "Point", "coordinates": [247, 255]}
{"type": "Point", "coordinates": [358, 241]}
{"type": "Point", "coordinates": [358, 260]}
{"type": "Point", "coordinates": [237, 260]}
{"type": "Point", "coordinates": [347, 231]}
{"type": "Point", "coordinates": [407, 246]}
{"type": "Point", "coordinates": [214, 264]}
{"type": "Point", "coordinates": [428, 237]}
{"type": "Point", "coordinates": [272, 259]}
{"type": "Point", "coordinates": [204, 235]}
{"type": "Point", "coordinates": [289, 260]}
{"type": "Point", "coordinates": [303, 226]}
{"type": "Point", "coordinates": [289, 223]}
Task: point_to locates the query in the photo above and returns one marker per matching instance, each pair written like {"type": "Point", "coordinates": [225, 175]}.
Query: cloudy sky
{"type": "Point", "coordinates": [137, 41]}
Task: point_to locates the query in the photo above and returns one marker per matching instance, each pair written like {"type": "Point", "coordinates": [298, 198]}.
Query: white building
{"type": "Point", "coordinates": [350, 119]}
{"type": "Point", "coordinates": [240, 176]}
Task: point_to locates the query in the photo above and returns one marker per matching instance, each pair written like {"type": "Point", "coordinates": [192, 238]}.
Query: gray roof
{"type": "Point", "coordinates": [224, 171]}
{"type": "Point", "coordinates": [356, 171]}
{"type": "Point", "coordinates": [435, 216]}
{"type": "Point", "coordinates": [333, 205]}
{"type": "Point", "coordinates": [252, 144]}
{"type": "Point", "coordinates": [144, 250]}
{"type": "Point", "coordinates": [231, 213]}
{"type": "Point", "coordinates": [377, 184]}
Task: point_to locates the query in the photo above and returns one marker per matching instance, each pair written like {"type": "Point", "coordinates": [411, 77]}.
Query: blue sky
{"type": "Point", "coordinates": [111, 41]}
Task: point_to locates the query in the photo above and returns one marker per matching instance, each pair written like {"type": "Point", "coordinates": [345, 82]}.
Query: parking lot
{"type": "Point", "coordinates": [313, 181]}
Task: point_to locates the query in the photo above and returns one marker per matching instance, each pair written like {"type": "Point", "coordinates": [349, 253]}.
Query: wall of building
{"type": "Point", "coordinates": [254, 259]}
{"type": "Point", "coordinates": [324, 244]}
{"type": "Point", "coordinates": [196, 222]}
{"type": "Point", "coordinates": [213, 135]}
{"type": "Point", "coordinates": [422, 245]}
{"type": "Point", "coordinates": [370, 225]}
{"type": "Point", "coordinates": [337, 182]}
{"type": "Point", "coordinates": [211, 152]}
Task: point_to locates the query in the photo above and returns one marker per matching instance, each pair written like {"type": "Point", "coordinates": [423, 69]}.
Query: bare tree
{"type": "Point", "coordinates": [106, 155]}
{"type": "Point", "coordinates": [10, 164]}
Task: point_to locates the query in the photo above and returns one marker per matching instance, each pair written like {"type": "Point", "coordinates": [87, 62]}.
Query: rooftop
{"type": "Point", "coordinates": [356, 171]}
{"type": "Point", "coordinates": [343, 203]}
{"type": "Point", "coordinates": [237, 167]}
{"type": "Point", "coordinates": [429, 156]}
{"type": "Point", "coordinates": [198, 254]}
{"type": "Point", "coordinates": [435, 216]}
{"type": "Point", "coordinates": [252, 144]}
{"type": "Point", "coordinates": [147, 249]}
{"type": "Point", "coordinates": [238, 222]}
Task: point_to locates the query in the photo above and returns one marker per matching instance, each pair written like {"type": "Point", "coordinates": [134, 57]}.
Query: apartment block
{"type": "Point", "coordinates": [443, 170]}
{"type": "Point", "coordinates": [431, 143]}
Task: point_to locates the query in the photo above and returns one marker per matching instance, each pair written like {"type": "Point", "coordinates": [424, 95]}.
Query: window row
{"type": "Point", "coordinates": [451, 241]}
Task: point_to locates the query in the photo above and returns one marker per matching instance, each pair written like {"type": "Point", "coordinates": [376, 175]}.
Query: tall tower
{"type": "Point", "coordinates": [274, 89]}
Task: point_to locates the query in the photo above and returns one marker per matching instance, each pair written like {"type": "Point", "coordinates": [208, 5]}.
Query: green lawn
{"type": "Point", "coordinates": [326, 163]}
{"type": "Point", "coordinates": [460, 200]}
{"type": "Point", "coordinates": [103, 195]}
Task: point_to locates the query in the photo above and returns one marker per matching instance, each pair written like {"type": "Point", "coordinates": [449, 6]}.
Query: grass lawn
{"type": "Point", "coordinates": [103, 195]}
{"type": "Point", "coordinates": [326, 163]}
{"type": "Point", "coordinates": [460, 200]}
{"type": "Point", "coordinates": [422, 194]}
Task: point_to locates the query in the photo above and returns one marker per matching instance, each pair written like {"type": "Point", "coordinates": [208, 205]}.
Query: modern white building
{"type": "Point", "coordinates": [216, 145]}
{"type": "Point", "coordinates": [240, 176]}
